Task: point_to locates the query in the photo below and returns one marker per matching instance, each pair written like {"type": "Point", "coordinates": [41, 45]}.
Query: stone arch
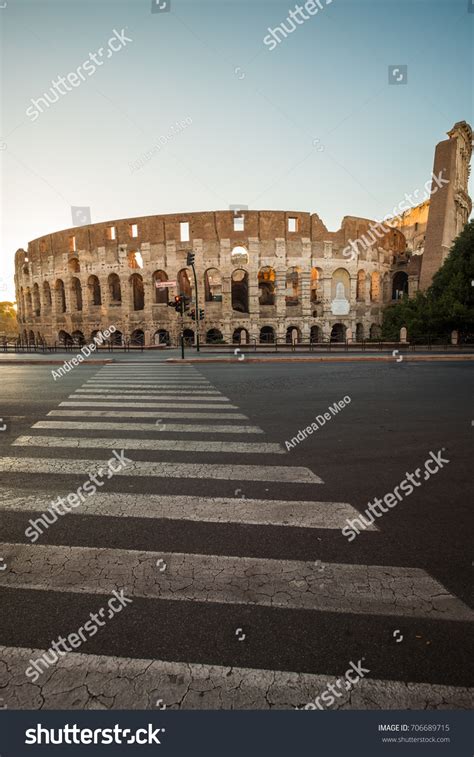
{"type": "Point", "coordinates": [338, 333]}
{"type": "Point", "coordinates": [315, 283]}
{"type": "Point", "coordinates": [116, 338]}
{"type": "Point", "coordinates": [240, 290]}
{"type": "Point", "coordinates": [161, 293]}
{"type": "Point", "coordinates": [240, 332]}
{"type": "Point", "coordinates": [36, 300]}
{"type": "Point", "coordinates": [267, 335]}
{"type": "Point", "coordinates": [399, 285]}
{"type": "Point", "coordinates": [28, 303]}
{"type": "Point", "coordinates": [360, 332]}
{"type": "Point", "coordinates": [341, 276]}
{"type": "Point", "coordinates": [184, 283]}
{"type": "Point", "coordinates": [115, 289]}
{"type": "Point", "coordinates": [161, 336]}
{"type": "Point", "coordinates": [293, 286]}
{"type": "Point", "coordinates": [79, 338]}
{"type": "Point", "coordinates": [64, 338]}
{"type": "Point", "coordinates": [76, 294]}
{"type": "Point", "coordinates": [137, 337]}
{"type": "Point", "coordinates": [266, 285]}
{"type": "Point", "coordinates": [137, 291]}
{"type": "Point", "coordinates": [188, 335]}
{"type": "Point", "coordinates": [290, 334]}
{"type": "Point", "coordinates": [212, 285]}
{"type": "Point", "coordinates": [361, 278]}
{"type": "Point", "coordinates": [315, 334]}
{"type": "Point", "coordinates": [239, 256]}
{"type": "Point", "coordinates": [214, 336]}
{"type": "Point", "coordinates": [375, 331]}
{"type": "Point", "coordinates": [60, 296]}
{"type": "Point", "coordinates": [47, 299]}
{"type": "Point", "coordinates": [95, 294]}
{"type": "Point", "coordinates": [375, 286]}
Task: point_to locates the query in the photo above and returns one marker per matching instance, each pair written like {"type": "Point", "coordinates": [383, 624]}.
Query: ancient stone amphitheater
{"type": "Point", "coordinates": [262, 275]}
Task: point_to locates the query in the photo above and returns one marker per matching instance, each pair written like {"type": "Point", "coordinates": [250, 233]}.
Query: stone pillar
{"type": "Point", "coordinates": [403, 335]}
{"type": "Point", "coordinates": [305, 293]}
{"type": "Point", "coordinates": [454, 337]}
{"type": "Point", "coordinates": [280, 293]}
{"type": "Point", "coordinates": [326, 282]}
{"type": "Point", "coordinates": [349, 335]}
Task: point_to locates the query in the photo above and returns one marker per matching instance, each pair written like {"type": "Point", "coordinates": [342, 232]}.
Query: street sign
{"type": "Point", "coordinates": [165, 284]}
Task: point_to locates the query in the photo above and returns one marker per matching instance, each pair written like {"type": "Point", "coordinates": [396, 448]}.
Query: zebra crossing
{"type": "Point", "coordinates": [232, 620]}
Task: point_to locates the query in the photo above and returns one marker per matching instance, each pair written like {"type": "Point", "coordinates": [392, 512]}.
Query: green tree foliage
{"type": "Point", "coordinates": [448, 304]}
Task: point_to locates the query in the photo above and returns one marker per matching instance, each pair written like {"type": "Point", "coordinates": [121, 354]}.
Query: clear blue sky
{"type": "Point", "coordinates": [254, 112]}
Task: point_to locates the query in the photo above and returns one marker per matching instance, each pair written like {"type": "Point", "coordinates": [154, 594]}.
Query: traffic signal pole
{"type": "Point", "coordinates": [182, 327]}
{"type": "Point", "coordinates": [190, 261]}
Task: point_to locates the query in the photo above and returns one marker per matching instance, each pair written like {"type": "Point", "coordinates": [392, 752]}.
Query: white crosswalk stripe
{"type": "Point", "coordinates": [144, 414]}
{"type": "Point", "coordinates": [196, 686]}
{"type": "Point", "coordinates": [357, 589]}
{"type": "Point", "coordinates": [162, 397]}
{"type": "Point", "coordinates": [152, 444]}
{"type": "Point", "coordinates": [192, 428]}
{"type": "Point", "coordinates": [81, 467]}
{"type": "Point", "coordinates": [158, 392]}
{"type": "Point", "coordinates": [127, 403]}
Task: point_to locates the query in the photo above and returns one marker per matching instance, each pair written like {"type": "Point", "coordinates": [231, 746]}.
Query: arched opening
{"type": "Point", "coordinates": [115, 289]}
{"type": "Point", "coordinates": [135, 260]}
{"type": "Point", "coordinates": [161, 292]}
{"type": "Point", "coordinates": [78, 338]}
{"type": "Point", "coordinates": [375, 331]}
{"type": "Point", "coordinates": [338, 333]}
{"type": "Point", "coordinates": [360, 294]}
{"type": "Point", "coordinates": [240, 336]}
{"type": "Point", "coordinates": [266, 286]}
{"type": "Point", "coordinates": [399, 285]}
{"type": "Point", "coordinates": [95, 295]}
{"type": "Point", "coordinates": [64, 338]}
{"type": "Point", "coordinates": [239, 256]}
{"type": "Point", "coordinates": [138, 292]}
{"type": "Point", "coordinates": [293, 335]}
{"type": "Point", "coordinates": [60, 296]}
{"type": "Point", "coordinates": [137, 338]}
{"type": "Point", "coordinates": [188, 336]}
{"type": "Point", "coordinates": [212, 285]}
{"type": "Point", "coordinates": [47, 299]}
{"type": "Point", "coordinates": [240, 291]}
{"type": "Point", "coordinates": [360, 332]}
{"type": "Point", "coordinates": [375, 286]}
{"type": "Point", "coordinates": [36, 300]}
{"type": "Point", "coordinates": [74, 265]}
{"type": "Point", "coordinates": [314, 285]}
{"type": "Point", "coordinates": [214, 336]}
{"type": "Point", "coordinates": [161, 337]}
{"type": "Point", "coordinates": [116, 338]}
{"type": "Point", "coordinates": [184, 283]}
{"type": "Point", "coordinates": [76, 294]}
{"type": "Point", "coordinates": [292, 286]}
{"type": "Point", "coordinates": [315, 334]}
{"type": "Point", "coordinates": [340, 285]}
{"type": "Point", "coordinates": [31, 337]}
{"type": "Point", "coordinates": [267, 335]}
{"type": "Point", "coordinates": [28, 303]}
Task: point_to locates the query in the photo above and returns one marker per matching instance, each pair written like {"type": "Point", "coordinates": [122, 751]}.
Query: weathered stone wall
{"type": "Point", "coordinates": [68, 259]}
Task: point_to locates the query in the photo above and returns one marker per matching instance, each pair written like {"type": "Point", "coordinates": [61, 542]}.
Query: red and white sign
{"type": "Point", "coordinates": [165, 284]}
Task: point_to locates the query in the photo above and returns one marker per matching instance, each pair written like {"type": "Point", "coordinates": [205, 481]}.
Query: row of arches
{"type": "Point", "coordinates": [32, 302]}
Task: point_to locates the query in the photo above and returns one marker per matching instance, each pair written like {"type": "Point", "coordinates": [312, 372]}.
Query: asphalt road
{"type": "Point", "coordinates": [259, 582]}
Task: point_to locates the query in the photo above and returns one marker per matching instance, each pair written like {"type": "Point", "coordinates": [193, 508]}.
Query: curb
{"type": "Point", "coordinates": [52, 362]}
{"type": "Point", "coordinates": [335, 359]}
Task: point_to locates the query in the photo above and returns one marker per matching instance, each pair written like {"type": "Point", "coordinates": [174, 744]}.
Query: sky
{"type": "Point", "coordinates": [309, 124]}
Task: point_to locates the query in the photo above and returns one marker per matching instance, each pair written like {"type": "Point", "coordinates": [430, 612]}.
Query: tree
{"type": "Point", "coordinates": [446, 305]}
{"type": "Point", "coordinates": [8, 322]}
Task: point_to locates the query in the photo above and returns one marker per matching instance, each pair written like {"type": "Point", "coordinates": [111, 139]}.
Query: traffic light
{"type": "Point", "coordinates": [192, 314]}
{"type": "Point", "coordinates": [201, 314]}
{"type": "Point", "coordinates": [190, 258]}
{"type": "Point", "coordinates": [186, 301]}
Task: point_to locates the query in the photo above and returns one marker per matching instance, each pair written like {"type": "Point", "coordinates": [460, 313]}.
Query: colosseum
{"type": "Point", "coordinates": [261, 275]}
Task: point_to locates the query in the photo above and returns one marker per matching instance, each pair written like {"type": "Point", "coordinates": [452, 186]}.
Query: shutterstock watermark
{"type": "Point", "coordinates": [295, 18]}
{"type": "Point", "coordinates": [404, 489]}
{"type": "Point", "coordinates": [60, 87]}
{"type": "Point", "coordinates": [60, 648]}
{"type": "Point", "coordinates": [378, 230]}
{"type": "Point", "coordinates": [161, 142]}
{"type": "Point", "coordinates": [319, 422]}
{"type": "Point", "coordinates": [330, 693]}
{"type": "Point", "coordinates": [68, 365]}
{"type": "Point", "coordinates": [75, 499]}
